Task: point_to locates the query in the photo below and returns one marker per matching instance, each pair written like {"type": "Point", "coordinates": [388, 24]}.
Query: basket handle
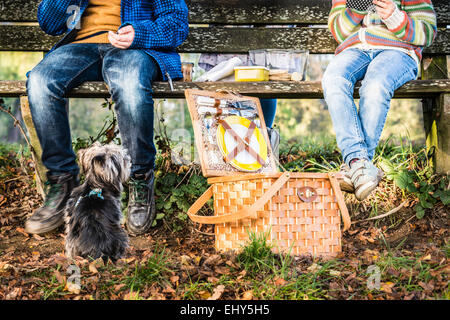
{"type": "Point", "coordinates": [340, 199]}
{"type": "Point", "coordinates": [246, 212]}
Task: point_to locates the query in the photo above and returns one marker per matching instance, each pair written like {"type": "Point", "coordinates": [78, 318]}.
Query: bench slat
{"type": "Point", "coordinates": [216, 39]}
{"type": "Point", "coordinates": [229, 11]}
{"type": "Point", "coordinates": [270, 89]}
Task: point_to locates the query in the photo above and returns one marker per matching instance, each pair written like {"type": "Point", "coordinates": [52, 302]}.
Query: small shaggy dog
{"type": "Point", "coordinates": [93, 213]}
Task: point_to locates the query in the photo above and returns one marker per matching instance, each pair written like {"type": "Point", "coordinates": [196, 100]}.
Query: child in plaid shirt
{"type": "Point", "coordinates": [128, 44]}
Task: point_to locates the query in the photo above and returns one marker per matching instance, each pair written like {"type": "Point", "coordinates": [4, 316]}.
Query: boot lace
{"type": "Point", "coordinates": [138, 191]}
{"type": "Point", "coordinates": [52, 191]}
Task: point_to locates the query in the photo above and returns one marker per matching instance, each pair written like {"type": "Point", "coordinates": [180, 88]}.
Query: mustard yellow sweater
{"type": "Point", "coordinates": [100, 15]}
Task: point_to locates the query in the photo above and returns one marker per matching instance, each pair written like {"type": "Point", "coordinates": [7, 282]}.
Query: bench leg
{"type": "Point", "coordinates": [443, 134]}
{"type": "Point", "coordinates": [437, 130]}
{"type": "Point", "coordinates": [36, 151]}
{"type": "Point", "coordinates": [436, 113]}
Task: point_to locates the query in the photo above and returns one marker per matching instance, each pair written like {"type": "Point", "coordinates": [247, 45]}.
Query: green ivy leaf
{"type": "Point", "coordinates": [420, 211]}
{"type": "Point", "coordinates": [426, 201]}
{"type": "Point", "coordinates": [388, 169]}
{"type": "Point", "coordinates": [443, 195]}
{"type": "Point", "coordinates": [168, 205]}
{"type": "Point", "coordinates": [411, 188]}
{"type": "Point", "coordinates": [401, 180]}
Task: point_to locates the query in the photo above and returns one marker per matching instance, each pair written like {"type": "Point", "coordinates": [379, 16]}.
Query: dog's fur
{"type": "Point", "coordinates": [93, 221]}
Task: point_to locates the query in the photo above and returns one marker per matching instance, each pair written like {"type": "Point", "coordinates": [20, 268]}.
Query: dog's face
{"type": "Point", "coordinates": [105, 164]}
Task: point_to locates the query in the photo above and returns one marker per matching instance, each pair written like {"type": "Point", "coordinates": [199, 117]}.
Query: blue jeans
{"type": "Point", "coordinates": [129, 75]}
{"type": "Point", "coordinates": [382, 72]}
{"type": "Point", "coordinates": [269, 108]}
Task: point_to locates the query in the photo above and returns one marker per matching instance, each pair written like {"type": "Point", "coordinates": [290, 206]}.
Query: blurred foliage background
{"type": "Point", "coordinates": [296, 119]}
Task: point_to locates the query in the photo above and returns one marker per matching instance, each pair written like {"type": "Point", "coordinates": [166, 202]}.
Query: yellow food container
{"type": "Point", "coordinates": [251, 73]}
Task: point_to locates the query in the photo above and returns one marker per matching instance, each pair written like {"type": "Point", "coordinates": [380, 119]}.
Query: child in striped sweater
{"type": "Point", "coordinates": [382, 46]}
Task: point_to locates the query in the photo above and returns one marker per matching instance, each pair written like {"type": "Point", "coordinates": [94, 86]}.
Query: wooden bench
{"type": "Point", "coordinates": [20, 32]}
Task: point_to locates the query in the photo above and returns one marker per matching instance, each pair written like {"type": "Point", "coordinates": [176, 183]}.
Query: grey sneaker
{"type": "Point", "coordinates": [365, 178]}
{"type": "Point", "coordinates": [51, 215]}
{"type": "Point", "coordinates": [346, 184]}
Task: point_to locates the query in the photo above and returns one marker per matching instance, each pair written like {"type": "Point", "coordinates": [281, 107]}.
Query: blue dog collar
{"type": "Point", "coordinates": [96, 192]}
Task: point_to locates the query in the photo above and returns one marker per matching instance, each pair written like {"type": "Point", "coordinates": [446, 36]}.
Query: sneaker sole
{"type": "Point", "coordinates": [347, 186]}
{"type": "Point", "coordinates": [29, 228]}
{"type": "Point", "coordinates": [362, 192]}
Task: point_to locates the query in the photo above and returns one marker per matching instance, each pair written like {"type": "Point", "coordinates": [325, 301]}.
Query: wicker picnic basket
{"type": "Point", "coordinates": [300, 213]}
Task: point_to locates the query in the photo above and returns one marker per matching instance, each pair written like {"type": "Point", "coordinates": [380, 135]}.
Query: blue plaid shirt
{"type": "Point", "coordinates": [160, 26]}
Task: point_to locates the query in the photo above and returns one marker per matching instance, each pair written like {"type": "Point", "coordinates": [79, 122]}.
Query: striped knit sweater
{"type": "Point", "coordinates": [410, 28]}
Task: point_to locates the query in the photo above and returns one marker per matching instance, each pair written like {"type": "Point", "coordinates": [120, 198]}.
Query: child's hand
{"type": "Point", "coordinates": [385, 8]}
{"type": "Point", "coordinates": [123, 38]}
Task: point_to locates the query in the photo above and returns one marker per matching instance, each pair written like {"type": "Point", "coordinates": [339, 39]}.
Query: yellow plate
{"type": "Point", "coordinates": [243, 161]}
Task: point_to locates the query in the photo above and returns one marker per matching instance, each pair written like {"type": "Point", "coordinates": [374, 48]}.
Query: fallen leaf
{"type": "Point", "coordinates": [168, 289]}
{"type": "Point", "coordinates": [38, 237]}
{"type": "Point", "coordinates": [314, 267]}
{"type": "Point", "coordinates": [428, 287]}
{"type": "Point", "coordinates": [2, 199]}
{"type": "Point", "coordinates": [425, 258]}
{"type": "Point", "coordinates": [204, 294]}
{"type": "Point", "coordinates": [73, 287]}
{"type": "Point", "coordinates": [387, 287]}
{"type": "Point", "coordinates": [7, 267]}
{"type": "Point", "coordinates": [241, 274]}
{"type": "Point", "coordinates": [57, 259]}
{"type": "Point", "coordinates": [129, 260]}
{"type": "Point", "coordinates": [98, 263]}
{"type": "Point", "coordinates": [35, 255]}
{"type": "Point", "coordinates": [217, 293]}
{"type": "Point", "coordinates": [222, 270]}
{"type": "Point", "coordinates": [446, 269]}
{"type": "Point", "coordinates": [131, 296]}
{"type": "Point", "coordinates": [335, 273]}
{"type": "Point", "coordinates": [212, 260]}
{"type": "Point", "coordinates": [409, 297]}
{"type": "Point", "coordinates": [280, 282]}
{"type": "Point", "coordinates": [197, 260]}
{"type": "Point", "coordinates": [13, 294]}
{"type": "Point", "coordinates": [174, 279]}
{"type": "Point", "coordinates": [93, 268]}
{"type": "Point", "coordinates": [119, 286]}
{"type": "Point", "coordinates": [334, 287]}
{"type": "Point", "coordinates": [350, 277]}
{"type": "Point", "coordinates": [213, 279]}
{"type": "Point", "coordinates": [61, 279]}
{"type": "Point", "coordinates": [22, 231]}
{"type": "Point", "coordinates": [185, 259]}
{"type": "Point", "coordinates": [248, 295]}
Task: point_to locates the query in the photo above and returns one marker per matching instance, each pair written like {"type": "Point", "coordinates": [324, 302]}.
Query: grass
{"type": "Point", "coordinates": [197, 290]}
{"type": "Point", "coordinates": [48, 285]}
{"type": "Point", "coordinates": [278, 276]}
{"type": "Point", "coordinates": [257, 257]}
{"type": "Point", "coordinates": [275, 276]}
{"type": "Point", "coordinates": [154, 270]}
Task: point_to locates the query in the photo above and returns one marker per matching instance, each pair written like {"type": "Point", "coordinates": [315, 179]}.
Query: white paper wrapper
{"type": "Point", "coordinates": [222, 70]}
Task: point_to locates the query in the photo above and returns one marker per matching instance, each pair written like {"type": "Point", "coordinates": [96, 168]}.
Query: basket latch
{"type": "Point", "coordinates": [307, 194]}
